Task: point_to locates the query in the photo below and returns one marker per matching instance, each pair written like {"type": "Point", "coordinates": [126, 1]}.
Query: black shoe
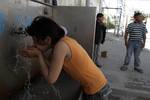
{"type": "Point", "coordinates": [100, 66]}
{"type": "Point", "coordinates": [123, 68]}
{"type": "Point", "coordinates": [139, 70]}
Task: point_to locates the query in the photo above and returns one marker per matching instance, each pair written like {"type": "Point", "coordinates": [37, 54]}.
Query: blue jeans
{"type": "Point", "coordinates": [103, 94]}
{"type": "Point", "coordinates": [133, 47]}
{"type": "Point", "coordinates": [97, 55]}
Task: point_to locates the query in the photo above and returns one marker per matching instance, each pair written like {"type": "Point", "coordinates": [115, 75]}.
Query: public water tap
{"type": "Point", "coordinates": [19, 31]}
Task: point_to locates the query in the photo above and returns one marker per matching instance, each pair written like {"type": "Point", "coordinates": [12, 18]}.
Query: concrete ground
{"type": "Point", "coordinates": [129, 84]}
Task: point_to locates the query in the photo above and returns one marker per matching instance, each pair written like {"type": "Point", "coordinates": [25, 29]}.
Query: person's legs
{"type": "Point", "coordinates": [129, 52]}
{"type": "Point", "coordinates": [137, 52]}
{"type": "Point", "coordinates": [97, 55]}
{"type": "Point", "coordinates": [95, 52]}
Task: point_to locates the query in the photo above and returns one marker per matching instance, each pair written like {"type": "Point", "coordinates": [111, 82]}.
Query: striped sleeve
{"type": "Point", "coordinates": [144, 29]}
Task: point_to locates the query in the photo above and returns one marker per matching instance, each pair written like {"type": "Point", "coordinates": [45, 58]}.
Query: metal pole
{"type": "Point", "coordinates": [100, 6]}
{"type": "Point", "coordinates": [119, 22]}
{"type": "Point", "coordinates": [79, 2]}
{"type": "Point", "coordinates": [88, 3]}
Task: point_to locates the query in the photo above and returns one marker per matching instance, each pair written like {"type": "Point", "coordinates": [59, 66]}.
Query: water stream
{"type": "Point", "coordinates": [23, 63]}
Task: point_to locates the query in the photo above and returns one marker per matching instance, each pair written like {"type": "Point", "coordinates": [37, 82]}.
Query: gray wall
{"type": "Point", "coordinates": [80, 23]}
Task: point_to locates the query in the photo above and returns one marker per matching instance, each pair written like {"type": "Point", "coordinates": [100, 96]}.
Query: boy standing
{"type": "Point", "coordinates": [136, 42]}
{"type": "Point", "coordinates": [100, 34]}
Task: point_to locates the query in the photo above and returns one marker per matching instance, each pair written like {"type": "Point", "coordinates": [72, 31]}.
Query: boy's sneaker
{"type": "Point", "coordinates": [124, 68]}
{"type": "Point", "coordinates": [139, 70]}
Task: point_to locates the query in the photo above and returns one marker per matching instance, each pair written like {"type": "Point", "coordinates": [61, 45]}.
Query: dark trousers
{"type": "Point", "coordinates": [103, 94]}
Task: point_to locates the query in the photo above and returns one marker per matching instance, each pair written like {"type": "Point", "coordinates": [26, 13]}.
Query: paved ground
{"type": "Point", "coordinates": [128, 81]}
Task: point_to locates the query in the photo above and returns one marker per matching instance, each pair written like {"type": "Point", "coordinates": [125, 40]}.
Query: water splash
{"type": "Point", "coordinates": [23, 63]}
{"type": "Point", "coordinates": [27, 69]}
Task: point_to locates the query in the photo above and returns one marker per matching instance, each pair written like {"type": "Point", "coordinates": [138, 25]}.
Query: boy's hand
{"type": "Point", "coordinates": [126, 44]}
{"type": "Point", "coordinates": [143, 45]}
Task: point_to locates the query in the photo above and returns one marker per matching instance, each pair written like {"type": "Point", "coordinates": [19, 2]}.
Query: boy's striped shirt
{"type": "Point", "coordinates": [136, 31]}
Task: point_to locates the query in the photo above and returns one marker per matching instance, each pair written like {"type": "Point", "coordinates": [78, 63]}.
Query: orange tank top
{"type": "Point", "coordinates": [82, 68]}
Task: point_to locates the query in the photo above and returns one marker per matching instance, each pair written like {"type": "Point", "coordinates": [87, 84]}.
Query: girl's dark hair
{"type": "Point", "coordinates": [42, 26]}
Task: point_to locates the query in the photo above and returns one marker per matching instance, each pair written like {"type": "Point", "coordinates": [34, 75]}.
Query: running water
{"type": "Point", "coordinates": [25, 63]}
